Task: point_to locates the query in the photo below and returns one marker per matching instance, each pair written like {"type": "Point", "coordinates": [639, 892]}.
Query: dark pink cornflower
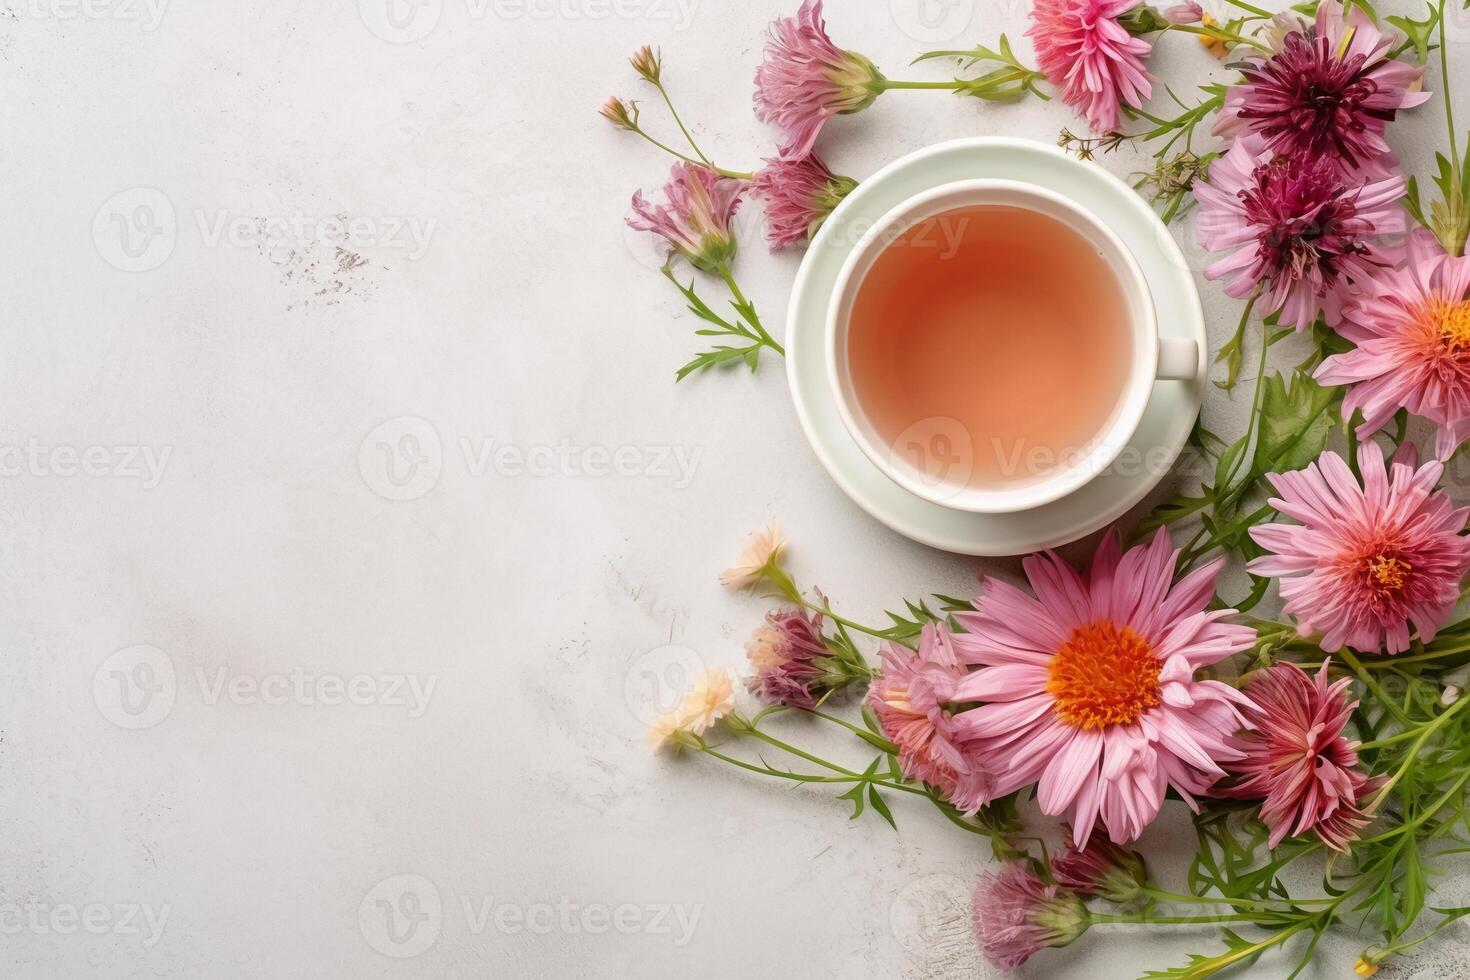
{"type": "Point", "coordinates": [1367, 561]}
{"type": "Point", "coordinates": [790, 659]}
{"type": "Point", "coordinates": [805, 80]}
{"type": "Point", "coordinates": [1101, 868]}
{"type": "Point", "coordinates": [1329, 89]}
{"type": "Point", "coordinates": [909, 697]}
{"type": "Point", "coordinates": [695, 221]}
{"type": "Point", "coordinates": [1296, 758]}
{"type": "Point", "coordinates": [1091, 58]}
{"type": "Point", "coordinates": [799, 195]}
{"type": "Point", "coordinates": [1015, 915]}
{"type": "Point", "coordinates": [1299, 228]}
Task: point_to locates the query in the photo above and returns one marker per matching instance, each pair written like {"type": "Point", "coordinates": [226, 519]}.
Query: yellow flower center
{"type": "Point", "coordinates": [1452, 322]}
{"type": "Point", "coordinates": [1388, 574]}
{"type": "Point", "coordinates": [1103, 675]}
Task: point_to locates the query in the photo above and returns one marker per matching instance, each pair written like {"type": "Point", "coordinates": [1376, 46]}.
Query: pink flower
{"type": "Point", "coordinates": [806, 80]}
{"type": "Point", "coordinates": [1184, 13]}
{"type": "Point", "coordinates": [790, 659]}
{"type": "Point", "coordinates": [1299, 227]}
{"type": "Point", "coordinates": [1412, 328]}
{"type": "Point", "coordinates": [1328, 90]}
{"type": "Point", "coordinates": [1297, 760]}
{"type": "Point", "coordinates": [1085, 52]}
{"type": "Point", "coordinates": [1101, 868]}
{"type": "Point", "coordinates": [1016, 914]}
{"type": "Point", "coordinates": [908, 697]}
{"type": "Point", "coordinates": [1090, 685]}
{"type": "Point", "coordinates": [762, 553]}
{"type": "Point", "coordinates": [799, 194]}
{"type": "Point", "coordinates": [696, 220]}
{"type": "Point", "coordinates": [1365, 561]}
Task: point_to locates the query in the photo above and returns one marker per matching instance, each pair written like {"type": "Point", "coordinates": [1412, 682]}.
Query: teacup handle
{"type": "Point", "coordinates": [1178, 359]}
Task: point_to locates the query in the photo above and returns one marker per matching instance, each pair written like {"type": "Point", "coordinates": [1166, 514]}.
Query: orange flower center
{"type": "Point", "coordinates": [1452, 322]}
{"type": "Point", "coordinates": [1388, 574]}
{"type": "Point", "coordinates": [1103, 675]}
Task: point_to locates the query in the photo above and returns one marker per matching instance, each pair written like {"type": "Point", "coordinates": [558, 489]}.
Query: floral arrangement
{"type": "Point", "coordinates": [1334, 741]}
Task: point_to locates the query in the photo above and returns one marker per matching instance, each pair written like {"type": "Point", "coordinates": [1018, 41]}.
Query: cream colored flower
{"type": "Point", "coordinates": [712, 698]}
{"type": "Point", "coordinates": [764, 547]}
{"type": "Point", "coordinates": [661, 733]}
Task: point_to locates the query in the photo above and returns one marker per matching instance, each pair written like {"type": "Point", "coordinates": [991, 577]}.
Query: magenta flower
{"type": "Point", "coordinates": [1299, 228]}
{"type": "Point", "coordinates": [1090, 685]}
{"type": "Point", "coordinates": [909, 696]}
{"type": "Point", "coordinates": [1101, 868]}
{"type": "Point", "coordinates": [1297, 760]}
{"type": "Point", "coordinates": [790, 660]}
{"type": "Point", "coordinates": [1412, 328]}
{"type": "Point", "coordinates": [696, 220]}
{"type": "Point", "coordinates": [1366, 561]}
{"type": "Point", "coordinates": [1015, 914]}
{"type": "Point", "coordinates": [1091, 58]}
{"type": "Point", "coordinates": [1328, 90]}
{"type": "Point", "coordinates": [799, 194]}
{"type": "Point", "coordinates": [805, 80]}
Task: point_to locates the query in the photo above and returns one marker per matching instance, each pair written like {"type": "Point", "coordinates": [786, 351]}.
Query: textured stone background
{"type": "Point", "coordinates": [208, 713]}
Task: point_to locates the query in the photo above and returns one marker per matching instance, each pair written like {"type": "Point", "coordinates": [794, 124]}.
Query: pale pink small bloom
{"type": "Point", "coordinates": [1328, 89]}
{"type": "Point", "coordinates": [761, 549]}
{"type": "Point", "coordinates": [799, 195]}
{"type": "Point", "coordinates": [1297, 760]}
{"type": "Point", "coordinates": [909, 696]}
{"type": "Point", "coordinates": [1412, 328]}
{"type": "Point", "coordinates": [1370, 561]}
{"type": "Point", "coordinates": [711, 698]}
{"type": "Point", "coordinates": [1015, 915]}
{"type": "Point", "coordinates": [661, 733]}
{"type": "Point", "coordinates": [1301, 228]}
{"type": "Point", "coordinates": [1184, 13]}
{"type": "Point", "coordinates": [805, 80]}
{"type": "Point", "coordinates": [1090, 689]}
{"type": "Point", "coordinates": [695, 221]}
{"type": "Point", "coordinates": [1101, 868]}
{"type": "Point", "coordinates": [1085, 52]}
{"type": "Point", "coordinates": [790, 660]}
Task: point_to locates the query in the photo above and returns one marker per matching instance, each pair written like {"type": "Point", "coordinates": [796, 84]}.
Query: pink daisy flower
{"type": "Point", "coordinates": [1366, 561]}
{"type": "Point", "coordinates": [1015, 915]}
{"type": "Point", "coordinates": [1328, 90]}
{"type": "Point", "coordinates": [799, 195]}
{"type": "Point", "coordinates": [790, 659]}
{"type": "Point", "coordinates": [1091, 689]}
{"type": "Point", "coordinates": [1101, 868]}
{"type": "Point", "coordinates": [1412, 328]}
{"type": "Point", "coordinates": [695, 221]}
{"type": "Point", "coordinates": [908, 697]}
{"type": "Point", "coordinates": [805, 80]}
{"type": "Point", "coordinates": [1297, 760]}
{"type": "Point", "coordinates": [1090, 57]}
{"type": "Point", "coordinates": [1300, 228]}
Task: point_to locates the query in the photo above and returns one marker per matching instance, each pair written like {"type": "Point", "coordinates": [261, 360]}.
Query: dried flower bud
{"type": "Point", "coordinates": [623, 115]}
{"type": "Point", "coordinates": [647, 62]}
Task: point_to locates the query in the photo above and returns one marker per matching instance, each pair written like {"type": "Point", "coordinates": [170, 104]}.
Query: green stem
{"type": "Point", "coordinates": [848, 774]}
{"type": "Point", "coordinates": [1247, 903]}
{"type": "Point", "coordinates": [1449, 108]}
{"type": "Point", "coordinates": [866, 735]}
{"type": "Point", "coordinates": [1372, 685]}
{"type": "Point", "coordinates": [732, 174]}
{"type": "Point", "coordinates": [680, 123]}
{"type": "Point", "coordinates": [1248, 8]}
{"type": "Point", "coordinates": [746, 307]}
{"type": "Point", "coordinates": [888, 83]}
{"type": "Point", "coordinates": [1410, 758]}
{"type": "Point", "coordinates": [1174, 920]}
{"type": "Point", "coordinates": [1219, 34]}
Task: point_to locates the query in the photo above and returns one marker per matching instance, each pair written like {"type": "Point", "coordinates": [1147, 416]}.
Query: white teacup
{"type": "Point", "coordinates": [1153, 357]}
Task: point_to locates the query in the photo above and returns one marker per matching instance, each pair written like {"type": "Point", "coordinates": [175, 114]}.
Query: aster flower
{"type": "Point", "coordinates": [1184, 13]}
{"type": "Point", "coordinates": [1328, 90]}
{"type": "Point", "coordinates": [1412, 328]}
{"type": "Point", "coordinates": [763, 550]}
{"type": "Point", "coordinates": [1090, 57]}
{"type": "Point", "coordinates": [1366, 562]}
{"type": "Point", "coordinates": [908, 697]}
{"type": "Point", "coordinates": [1016, 914]}
{"type": "Point", "coordinates": [1297, 759]}
{"type": "Point", "coordinates": [792, 663]}
{"type": "Point", "coordinates": [1299, 228]}
{"type": "Point", "coordinates": [1101, 868]}
{"type": "Point", "coordinates": [1090, 685]}
{"type": "Point", "coordinates": [695, 221]}
{"type": "Point", "coordinates": [806, 79]}
{"type": "Point", "coordinates": [799, 195]}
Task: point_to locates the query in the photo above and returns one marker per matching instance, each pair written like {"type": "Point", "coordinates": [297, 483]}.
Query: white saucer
{"type": "Point", "coordinates": [1166, 422]}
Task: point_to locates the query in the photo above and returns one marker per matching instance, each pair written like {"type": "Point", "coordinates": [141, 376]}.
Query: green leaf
{"type": "Point", "coordinates": [1295, 422]}
{"type": "Point", "coordinates": [720, 355]}
{"type": "Point", "coordinates": [880, 805]}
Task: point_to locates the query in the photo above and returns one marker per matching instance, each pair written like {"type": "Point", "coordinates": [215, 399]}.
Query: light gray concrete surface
{"type": "Point", "coordinates": [324, 654]}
